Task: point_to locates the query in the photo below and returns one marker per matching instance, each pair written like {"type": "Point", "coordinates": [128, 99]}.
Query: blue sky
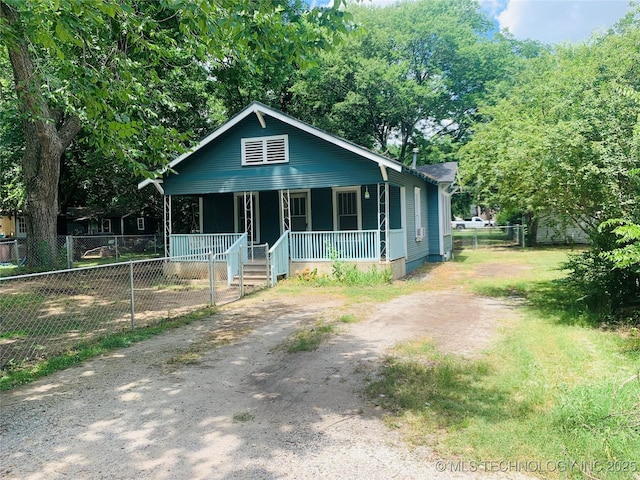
{"type": "Point", "coordinates": [549, 21]}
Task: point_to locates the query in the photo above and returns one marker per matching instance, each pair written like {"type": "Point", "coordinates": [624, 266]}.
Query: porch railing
{"type": "Point", "coordinates": [397, 246]}
{"type": "Point", "coordinates": [279, 258]}
{"type": "Point", "coordinates": [349, 245]}
{"type": "Point", "coordinates": [233, 259]}
{"type": "Point", "coordinates": [201, 244]}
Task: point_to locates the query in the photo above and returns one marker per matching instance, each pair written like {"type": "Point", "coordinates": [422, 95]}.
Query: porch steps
{"type": "Point", "coordinates": [254, 273]}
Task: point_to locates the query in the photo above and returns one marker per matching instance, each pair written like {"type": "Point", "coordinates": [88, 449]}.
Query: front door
{"type": "Point", "coordinates": [299, 214]}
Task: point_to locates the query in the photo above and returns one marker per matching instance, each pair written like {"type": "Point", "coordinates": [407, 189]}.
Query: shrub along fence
{"type": "Point", "coordinates": [46, 314]}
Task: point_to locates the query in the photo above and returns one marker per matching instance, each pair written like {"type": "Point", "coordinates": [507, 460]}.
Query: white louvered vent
{"type": "Point", "coordinates": [253, 152]}
{"type": "Point", "coordinates": [276, 150]}
{"type": "Point", "coordinates": [257, 151]}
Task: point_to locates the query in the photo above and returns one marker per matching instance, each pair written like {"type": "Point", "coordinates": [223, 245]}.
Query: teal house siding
{"type": "Point", "coordinates": [313, 163]}
{"type": "Point", "coordinates": [218, 213]}
{"type": "Point", "coordinates": [434, 224]}
{"type": "Point", "coordinates": [322, 209]}
{"type": "Point", "coordinates": [317, 164]}
{"type": "Point", "coordinates": [395, 208]}
{"type": "Point", "coordinates": [369, 207]}
{"type": "Point", "coordinates": [417, 251]}
{"type": "Point", "coordinates": [269, 217]}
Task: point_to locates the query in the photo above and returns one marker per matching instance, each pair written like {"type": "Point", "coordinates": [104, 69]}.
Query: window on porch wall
{"type": "Point", "coordinates": [347, 210]}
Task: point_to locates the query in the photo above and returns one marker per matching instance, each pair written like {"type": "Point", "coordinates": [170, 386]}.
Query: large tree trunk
{"type": "Point", "coordinates": [47, 133]}
{"type": "Point", "coordinates": [41, 173]}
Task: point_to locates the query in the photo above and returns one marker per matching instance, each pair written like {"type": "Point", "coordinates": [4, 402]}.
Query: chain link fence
{"type": "Point", "coordinates": [78, 251]}
{"type": "Point", "coordinates": [502, 236]}
{"type": "Point", "coordinates": [46, 314]}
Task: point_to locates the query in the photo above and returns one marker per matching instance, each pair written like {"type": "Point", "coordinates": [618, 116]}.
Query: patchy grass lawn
{"type": "Point", "coordinates": [556, 388]}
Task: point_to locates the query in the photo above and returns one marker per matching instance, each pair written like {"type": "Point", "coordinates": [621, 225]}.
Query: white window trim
{"type": "Point", "coordinates": [358, 191]}
{"type": "Point", "coordinates": [103, 222]}
{"type": "Point", "coordinates": [265, 159]}
{"type": "Point", "coordinates": [445, 211]}
{"type": "Point", "coordinates": [21, 227]}
{"type": "Point", "coordinates": [256, 214]}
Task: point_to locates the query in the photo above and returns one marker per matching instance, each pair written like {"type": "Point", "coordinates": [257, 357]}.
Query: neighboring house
{"type": "Point", "coordinates": [311, 196]}
{"type": "Point", "coordinates": [13, 226]}
{"type": "Point", "coordinates": [555, 231]}
{"type": "Point", "coordinates": [89, 221]}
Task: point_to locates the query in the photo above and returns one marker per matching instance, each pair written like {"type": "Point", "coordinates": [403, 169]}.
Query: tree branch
{"type": "Point", "coordinates": [68, 130]}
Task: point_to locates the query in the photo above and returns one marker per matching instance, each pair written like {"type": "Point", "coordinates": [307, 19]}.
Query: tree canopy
{"type": "Point", "coordinates": [412, 75]}
{"type": "Point", "coordinates": [114, 70]}
{"type": "Point", "coordinates": [564, 139]}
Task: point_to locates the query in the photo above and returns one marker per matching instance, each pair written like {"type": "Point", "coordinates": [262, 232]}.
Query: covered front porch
{"type": "Point", "coordinates": [362, 224]}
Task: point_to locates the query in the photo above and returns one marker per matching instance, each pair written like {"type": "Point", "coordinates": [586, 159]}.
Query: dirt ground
{"type": "Point", "coordinates": [218, 400]}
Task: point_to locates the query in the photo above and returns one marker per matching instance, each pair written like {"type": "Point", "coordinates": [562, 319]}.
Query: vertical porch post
{"type": "Point", "coordinates": [248, 215]}
{"type": "Point", "coordinates": [285, 212]}
{"type": "Point", "coordinates": [383, 218]}
{"type": "Point", "coordinates": [167, 225]}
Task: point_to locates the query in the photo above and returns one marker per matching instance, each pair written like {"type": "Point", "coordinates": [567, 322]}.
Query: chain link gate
{"type": "Point", "coordinates": [225, 277]}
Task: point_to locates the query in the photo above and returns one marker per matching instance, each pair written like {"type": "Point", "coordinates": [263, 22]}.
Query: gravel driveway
{"type": "Point", "coordinates": [239, 408]}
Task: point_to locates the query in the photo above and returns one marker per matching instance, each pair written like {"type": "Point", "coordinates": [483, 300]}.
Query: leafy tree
{"type": "Point", "coordinates": [11, 187]}
{"type": "Point", "coordinates": [411, 75]}
{"type": "Point", "coordinates": [103, 66]}
{"type": "Point", "coordinates": [564, 139]}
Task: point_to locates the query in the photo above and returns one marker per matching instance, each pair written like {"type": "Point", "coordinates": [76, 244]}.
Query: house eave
{"type": "Point", "coordinates": [261, 110]}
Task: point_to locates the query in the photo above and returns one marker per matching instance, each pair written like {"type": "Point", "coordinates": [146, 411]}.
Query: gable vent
{"type": "Point", "coordinates": [257, 151]}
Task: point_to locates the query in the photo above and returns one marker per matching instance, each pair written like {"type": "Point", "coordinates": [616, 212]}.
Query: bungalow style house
{"type": "Point", "coordinates": [264, 177]}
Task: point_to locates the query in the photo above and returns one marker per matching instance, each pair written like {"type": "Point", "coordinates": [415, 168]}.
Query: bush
{"type": "Point", "coordinates": [606, 276]}
{"type": "Point", "coordinates": [343, 273]}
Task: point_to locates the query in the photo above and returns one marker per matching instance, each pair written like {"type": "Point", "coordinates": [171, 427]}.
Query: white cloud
{"type": "Point", "coordinates": [557, 21]}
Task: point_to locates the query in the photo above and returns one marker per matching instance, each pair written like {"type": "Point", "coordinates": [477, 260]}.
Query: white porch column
{"type": "Point", "coordinates": [167, 225]}
{"type": "Point", "coordinates": [285, 210]}
{"type": "Point", "coordinates": [383, 218]}
{"type": "Point", "coordinates": [248, 215]}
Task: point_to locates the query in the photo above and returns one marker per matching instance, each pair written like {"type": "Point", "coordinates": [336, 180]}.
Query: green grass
{"type": "Point", "coordinates": [309, 338]}
{"type": "Point", "coordinates": [553, 389]}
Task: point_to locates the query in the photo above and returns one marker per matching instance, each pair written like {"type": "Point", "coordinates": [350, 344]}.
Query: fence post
{"type": "Point", "coordinates": [17, 250]}
{"type": "Point", "coordinates": [212, 283]}
{"type": "Point", "coordinates": [267, 262]}
{"type": "Point", "coordinates": [240, 272]}
{"type": "Point", "coordinates": [69, 244]}
{"type": "Point", "coordinates": [116, 243]}
{"type": "Point", "coordinates": [475, 238]}
{"type": "Point", "coordinates": [133, 300]}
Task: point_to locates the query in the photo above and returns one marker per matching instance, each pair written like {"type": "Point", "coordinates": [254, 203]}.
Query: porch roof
{"type": "Point", "coordinates": [260, 110]}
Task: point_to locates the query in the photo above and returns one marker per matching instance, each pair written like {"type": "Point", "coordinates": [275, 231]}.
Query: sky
{"type": "Point", "coordinates": [549, 21]}
{"type": "Point", "coordinates": [555, 21]}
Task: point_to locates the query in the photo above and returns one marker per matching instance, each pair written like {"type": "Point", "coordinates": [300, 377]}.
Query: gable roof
{"type": "Point", "coordinates": [260, 110]}
{"type": "Point", "coordinates": [440, 172]}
